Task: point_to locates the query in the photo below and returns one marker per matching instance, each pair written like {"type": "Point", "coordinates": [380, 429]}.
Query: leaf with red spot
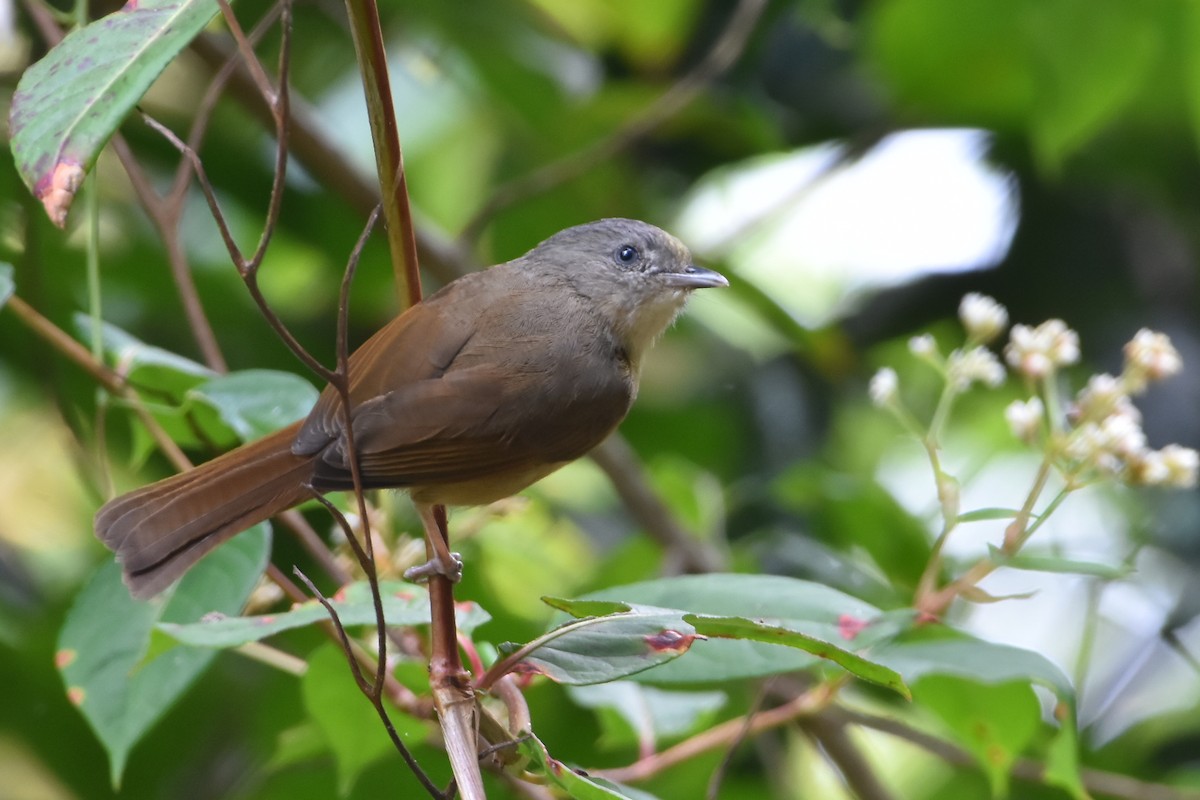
{"type": "Point", "coordinates": [68, 105]}
{"type": "Point", "coordinates": [605, 648]}
{"type": "Point", "coordinates": [804, 607]}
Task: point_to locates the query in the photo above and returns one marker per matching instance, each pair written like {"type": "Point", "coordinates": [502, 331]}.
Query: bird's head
{"type": "Point", "coordinates": [636, 276]}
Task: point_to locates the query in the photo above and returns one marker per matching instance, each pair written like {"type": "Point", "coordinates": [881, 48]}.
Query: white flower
{"type": "Point", "coordinates": [1085, 442]}
{"type": "Point", "coordinates": [1182, 465]}
{"type": "Point", "coordinates": [1035, 352]}
{"type": "Point", "coordinates": [1172, 466]}
{"type": "Point", "coordinates": [983, 318]}
{"type": "Point", "coordinates": [1025, 418]}
{"type": "Point", "coordinates": [922, 346]}
{"type": "Point", "coordinates": [976, 364]}
{"type": "Point", "coordinates": [1101, 397]}
{"type": "Point", "coordinates": [1121, 435]}
{"type": "Point", "coordinates": [1115, 441]}
{"type": "Point", "coordinates": [1150, 356]}
{"type": "Point", "coordinates": [1148, 468]}
{"type": "Point", "coordinates": [884, 386]}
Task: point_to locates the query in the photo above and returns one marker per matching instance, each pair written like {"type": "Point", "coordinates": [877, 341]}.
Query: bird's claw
{"type": "Point", "coordinates": [421, 573]}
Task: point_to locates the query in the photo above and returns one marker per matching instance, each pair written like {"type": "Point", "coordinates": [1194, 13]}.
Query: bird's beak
{"type": "Point", "coordinates": [695, 278]}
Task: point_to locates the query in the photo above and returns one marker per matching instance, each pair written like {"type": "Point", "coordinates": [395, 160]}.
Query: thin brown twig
{"type": "Point", "coordinates": [362, 684]}
{"type": "Point", "coordinates": [245, 266]}
{"type": "Point", "coordinates": [112, 381]}
{"type": "Point", "coordinates": [442, 257]}
{"type": "Point", "coordinates": [718, 775]}
{"type": "Point", "coordinates": [312, 543]}
{"type": "Point", "coordinates": [722, 735]}
{"type": "Point", "coordinates": [720, 57]}
{"type": "Point", "coordinates": [338, 378]}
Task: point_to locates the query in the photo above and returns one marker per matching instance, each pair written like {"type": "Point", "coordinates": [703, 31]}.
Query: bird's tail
{"type": "Point", "coordinates": [158, 532]}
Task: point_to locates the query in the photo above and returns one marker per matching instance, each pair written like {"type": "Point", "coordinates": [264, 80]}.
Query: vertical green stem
{"type": "Point", "coordinates": [397, 213]}
{"type": "Point", "coordinates": [91, 199]}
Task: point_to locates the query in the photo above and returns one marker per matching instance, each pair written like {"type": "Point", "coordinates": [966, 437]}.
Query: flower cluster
{"type": "Point", "coordinates": [1100, 431]}
{"type": "Point", "coordinates": [1105, 427]}
{"type": "Point", "coordinates": [1037, 352]}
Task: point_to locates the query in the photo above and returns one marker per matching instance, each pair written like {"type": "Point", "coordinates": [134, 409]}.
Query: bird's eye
{"type": "Point", "coordinates": [628, 254]}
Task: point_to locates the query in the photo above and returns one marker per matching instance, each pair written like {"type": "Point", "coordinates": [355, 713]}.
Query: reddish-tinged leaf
{"type": "Point", "coordinates": [68, 105]}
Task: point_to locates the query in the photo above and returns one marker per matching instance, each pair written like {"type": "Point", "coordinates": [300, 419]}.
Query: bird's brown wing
{"type": "Point", "coordinates": [418, 345]}
{"type": "Point", "coordinates": [435, 403]}
{"type": "Point", "coordinates": [468, 426]}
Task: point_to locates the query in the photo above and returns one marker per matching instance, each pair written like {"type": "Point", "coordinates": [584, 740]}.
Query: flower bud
{"type": "Point", "coordinates": [983, 318]}
{"type": "Point", "coordinates": [884, 387]}
{"type": "Point", "coordinates": [1025, 418]}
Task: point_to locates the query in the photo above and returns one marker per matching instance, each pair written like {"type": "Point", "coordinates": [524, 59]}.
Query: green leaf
{"type": "Point", "coordinates": [1036, 563]}
{"type": "Point", "coordinates": [256, 402]}
{"type": "Point", "coordinates": [164, 375]}
{"type": "Point", "coordinates": [987, 514]}
{"type": "Point", "coordinates": [403, 604]}
{"type": "Point", "coordinates": [640, 712]}
{"type": "Point", "coordinates": [586, 608]}
{"type": "Point", "coordinates": [599, 649]}
{"type": "Point", "coordinates": [106, 636]}
{"type": "Point", "coordinates": [801, 606]}
{"type": "Point", "coordinates": [349, 724]}
{"type": "Point", "coordinates": [1089, 57]}
{"type": "Point", "coordinates": [576, 784]}
{"type": "Point", "coordinates": [1062, 757]}
{"type": "Point", "coordinates": [974, 659]}
{"type": "Point", "coordinates": [994, 721]}
{"type": "Point", "coordinates": [68, 104]}
{"type": "Point", "coordinates": [953, 66]}
{"type": "Point", "coordinates": [739, 628]}
{"type": "Point", "coordinates": [7, 285]}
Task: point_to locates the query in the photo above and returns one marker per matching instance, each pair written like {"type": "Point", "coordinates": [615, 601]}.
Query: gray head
{"type": "Point", "coordinates": [636, 275]}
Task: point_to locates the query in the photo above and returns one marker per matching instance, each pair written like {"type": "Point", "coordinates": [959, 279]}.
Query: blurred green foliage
{"type": "Point", "coordinates": [769, 451]}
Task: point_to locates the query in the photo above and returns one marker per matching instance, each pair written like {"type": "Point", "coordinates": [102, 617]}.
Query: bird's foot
{"type": "Point", "coordinates": [421, 573]}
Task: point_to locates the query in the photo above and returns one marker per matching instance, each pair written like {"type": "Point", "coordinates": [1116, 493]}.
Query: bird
{"type": "Point", "coordinates": [467, 397]}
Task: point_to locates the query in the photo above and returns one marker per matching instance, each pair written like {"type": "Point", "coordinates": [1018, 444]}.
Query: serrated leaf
{"type": "Point", "coordinates": [256, 402]}
{"type": "Point", "coordinates": [68, 104]}
{"type": "Point", "coordinates": [403, 604]}
{"type": "Point", "coordinates": [803, 606]}
{"type": "Point", "coordinates": [106, 635]}
{"type": "Point", "coordinates": [7, 285]}
{"type": "Point", "coordinates": [1036, 563]}
{"type": "Point", "coordinates": [599, 649]}
{"type": "Point", "coordinates": [741, 628]}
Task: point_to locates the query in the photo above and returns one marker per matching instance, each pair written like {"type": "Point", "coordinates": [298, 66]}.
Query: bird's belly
{"type": "Point", "coordinates": [484, 490]}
